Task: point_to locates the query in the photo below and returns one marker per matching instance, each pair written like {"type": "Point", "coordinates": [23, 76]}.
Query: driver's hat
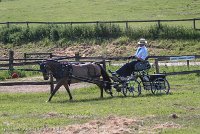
{"type": "Point", "coordinates": [142, 41]}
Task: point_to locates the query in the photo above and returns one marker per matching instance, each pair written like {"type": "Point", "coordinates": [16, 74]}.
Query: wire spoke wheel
{"type": "Point", "coordinates": [124, 89]}
{"type": "Point", "coordinates": [160, 86]}
{"type": "Point", "coordinates": [117, 89]}
{"type": "Point", "coordinates": [134, 87]}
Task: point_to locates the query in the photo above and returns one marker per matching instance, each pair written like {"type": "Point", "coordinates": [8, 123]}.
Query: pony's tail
{"type": "Point", "coordinates": [106, 77]}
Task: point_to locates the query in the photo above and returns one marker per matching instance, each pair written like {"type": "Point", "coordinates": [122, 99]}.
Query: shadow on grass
{"type": "Point", "coordinates": [109, 98]}
{"type": "Point", "coordinates": [82, 100]}
{"type": "Point", "coordinates": [154, 95]}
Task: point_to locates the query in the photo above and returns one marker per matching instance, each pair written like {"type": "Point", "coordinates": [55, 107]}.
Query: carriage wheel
{"type": "Point", "coordinates": [121, 88]}
{"type": "Point", "coordinates": [134, 87]}
{"type": "Point", "coordinates": [117, 89]}
{"type": "Point", "coordinates": [160, 86]}
{"type": "Point", "coordinates": [124, 89]}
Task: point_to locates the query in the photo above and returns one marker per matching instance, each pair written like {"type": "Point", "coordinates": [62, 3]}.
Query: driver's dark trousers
{"type": "Point", "coordinates": [127, 69]}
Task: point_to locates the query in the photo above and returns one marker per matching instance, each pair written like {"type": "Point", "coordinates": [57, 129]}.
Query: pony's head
{"type": "Point", "coordinates": [43, 69]}
{"type": "Point", "coordinates": [51, 67]}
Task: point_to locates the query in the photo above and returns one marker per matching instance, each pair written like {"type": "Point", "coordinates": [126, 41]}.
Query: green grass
{"type": "Point", "coordinates": [104, 10]}
{"type": "Point", "coordinates": [6, 74]}
{"type": "Point", "coordinates": [23, 112]}
{"type": "Point", "coordinates": [93, 10]}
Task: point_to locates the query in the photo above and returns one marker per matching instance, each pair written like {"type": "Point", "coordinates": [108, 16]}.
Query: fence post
{"type": "Point", "coordinates": [25, 56]}
{"type": "Point", "coordinates": [104, 64]}
{"type": "Point", "coordinates": [77, 57]}
{"type": "Point", "coordinates": [159, 24]}
{"type": "Point", "coordinates": [27, 24]}
{"type": "Point", "coordinates": [194, 24]}
{"type": "Point", "coordinates": [8, 24]}
{"type": "Point", "coordinates": [188, 64]}
{"type": "Point", "coordinates": [51, 55]}
{"type": "Point", "coordinates": [11, 58]}
{"type": "Point", "coordinates": [97, 23]}
{"type": "Point", "coordinates": [126, 26]}
{"type": "Point", "coordinates": [157, 66]}
{"type": "Point", "coordinates": [51, 83]}
{"type": "Point", "coordinates": [71, 24]}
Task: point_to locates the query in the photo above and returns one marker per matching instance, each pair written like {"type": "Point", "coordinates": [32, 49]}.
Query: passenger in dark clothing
{"type": "Point", "coordinates": [140, 55]}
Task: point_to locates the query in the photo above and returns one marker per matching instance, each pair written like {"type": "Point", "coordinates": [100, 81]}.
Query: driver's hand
{"type": "Point", "coordinates": [130, 57]}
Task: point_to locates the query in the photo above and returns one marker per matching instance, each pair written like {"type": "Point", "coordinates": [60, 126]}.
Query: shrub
{"type": "Point", "coordinates": [55, 33]}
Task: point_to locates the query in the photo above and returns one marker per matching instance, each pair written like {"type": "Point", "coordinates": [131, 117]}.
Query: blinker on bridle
{"type": "Point", "coordinates": [43, 68]}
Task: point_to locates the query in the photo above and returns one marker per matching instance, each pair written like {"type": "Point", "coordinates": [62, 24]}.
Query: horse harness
{"type": "Point", "coordinates": [67, 71]}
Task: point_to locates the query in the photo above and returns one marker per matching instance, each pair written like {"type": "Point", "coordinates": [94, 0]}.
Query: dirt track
{"type": "Point", "coordinates": [38, 88]}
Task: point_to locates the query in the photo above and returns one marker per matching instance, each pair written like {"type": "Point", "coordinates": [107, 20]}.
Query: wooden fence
{"type": "Point", "coordinates": [77, 58]}
{"type": "Point", "coordinates": [27, 23]}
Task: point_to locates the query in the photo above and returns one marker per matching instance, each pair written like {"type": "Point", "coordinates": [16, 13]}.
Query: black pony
{"type": "Point", "coordinates": [65, 74]}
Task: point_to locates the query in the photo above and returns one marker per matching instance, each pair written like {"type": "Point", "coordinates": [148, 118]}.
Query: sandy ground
{"type": "Point", "coordinates": [39, 88]}
{"type": "Point", "coordinates": [110, 125]}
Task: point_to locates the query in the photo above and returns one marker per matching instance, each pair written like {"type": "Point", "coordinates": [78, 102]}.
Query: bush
{"type": "Point", "coordinates": [55, 33]}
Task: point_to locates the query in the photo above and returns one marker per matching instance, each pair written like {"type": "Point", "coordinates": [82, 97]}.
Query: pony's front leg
{"type": "Point", "coordinates": [58, 85]}
{"type": "Point", "coordinates": [68, 90]}
{"type": "Point", "coordinates": [101, 90]}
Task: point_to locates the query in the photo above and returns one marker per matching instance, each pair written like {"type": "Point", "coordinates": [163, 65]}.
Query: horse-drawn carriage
{"type": "Point", "coordinates": [140, 79]}
{"type": "Point", "coordinates": [66, 73]}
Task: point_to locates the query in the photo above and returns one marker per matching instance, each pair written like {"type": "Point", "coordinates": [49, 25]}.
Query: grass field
{"type": "Point", "coordinates": [25, 112]}
{"type": "Point", "coordinates": [94, 10]}
{"type": "Point", "coordinates": [89, 10]}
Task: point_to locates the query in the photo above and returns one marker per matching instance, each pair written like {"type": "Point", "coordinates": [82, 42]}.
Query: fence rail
{"type": "Point", "coordinates": [77, 58]}
{"type": "Point", "coordinates": [193, 20]}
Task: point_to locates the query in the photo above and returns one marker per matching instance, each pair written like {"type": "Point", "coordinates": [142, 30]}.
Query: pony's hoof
{"type": "Point", "coordinates": [70, 100]}
{"type": "Point", "coordinates": [47, 101]}
{"type": "Point", "coordinates": [111, 94]}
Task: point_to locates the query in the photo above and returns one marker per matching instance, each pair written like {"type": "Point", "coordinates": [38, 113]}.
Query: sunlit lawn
{"type": "Point", "coordinates": [22, 112]}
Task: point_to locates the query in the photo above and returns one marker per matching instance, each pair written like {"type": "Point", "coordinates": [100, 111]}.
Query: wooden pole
{"type": "Point", "coordinates": [25, 56]}
{"type": "Point", "coordinates": [11, 58]}
{"type": "Point", "coordinates": [126, 26]}
{"type": "Point", "coordinates": [188, 64]}
{"type": "Point", "coordinates": [157, 66]}
{"type": "Point", "coordinates": [71, 24]}
{"type": "Point", "coordinates": [8, 25]}
{"type": "Point", "coordinates": [104, 64]}
{"type": "Point", "coordinates": [97, 23]}
{"type": "Point", "coordinates": [27, 24]}
{"type": "Point", "coordinates": [194, 24]}
{"type": "Point", "coordinates": [159, 24]}
{"type": "Point", "coordinates": [77, 57]}
{"type": "Point", "coordinates": [51, 55]}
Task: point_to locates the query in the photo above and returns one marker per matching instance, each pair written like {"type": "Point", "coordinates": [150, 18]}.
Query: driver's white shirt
{"type": "Point", "coordinates": [141, 52]}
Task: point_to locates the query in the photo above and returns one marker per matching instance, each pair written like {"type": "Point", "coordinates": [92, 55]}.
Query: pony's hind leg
{"type": "Point", "coordinates": [68, 91]}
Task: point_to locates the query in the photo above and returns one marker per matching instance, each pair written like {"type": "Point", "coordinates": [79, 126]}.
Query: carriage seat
{"type": "Point", "coordinates": [142, 66]}
{"type": "Point", "coordinates": [153, 77]}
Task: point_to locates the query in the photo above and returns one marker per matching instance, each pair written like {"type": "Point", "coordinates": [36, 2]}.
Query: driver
{"type": "Point", "coordinates": [140, 55]}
